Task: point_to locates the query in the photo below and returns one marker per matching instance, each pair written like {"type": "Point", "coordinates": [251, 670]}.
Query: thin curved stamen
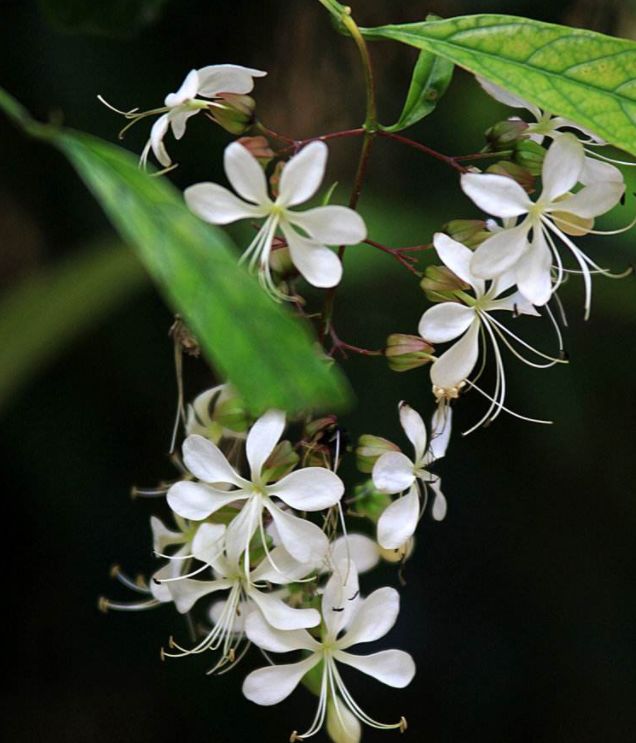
{"type": "Point", "coordinates": [161, 581]}
{"type": "Point", "coordinates": [618, 231]}
{"type": "Point", "coordinates": [607, 159]}
{"type": "Point", "coordinates": [500, 327]}
{"type": "Point", "coordinates": [321, 710]}
{"type": "Point", "coordinates": [133, 585]}
{"type": "Point", "coordinates": [105, 605]}
{"type": "Point", "coordinates": [505, 409]}
{"type": "Point", "coordinates": [355, 708]}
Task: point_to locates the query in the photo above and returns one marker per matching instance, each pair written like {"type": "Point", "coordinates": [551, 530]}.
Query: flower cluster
{"type": "Point", "coordinates": [259, 546]}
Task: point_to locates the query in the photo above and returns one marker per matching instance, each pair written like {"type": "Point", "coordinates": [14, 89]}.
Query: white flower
{"type": "Point", "coordinates": [200, 417]}
{"type": "Point", "coordinates": [244, 586]}
{"type": "Point", "coordinates": [547, 125]}
{"type": "Point", "coordinates": [469, 319]}
{"type": "Point", "coordinates": [308, 489]}
{"type": "Point", "coordinates": [394, 472]}
{"type": "Point", "coordinates": [526, 250]}
{"type": "Point", "coordinates": [299, 181]}
{"type": "Point", "coordinates": [362, 621]}
{"type": "Point", "coordinates": [198, 92]}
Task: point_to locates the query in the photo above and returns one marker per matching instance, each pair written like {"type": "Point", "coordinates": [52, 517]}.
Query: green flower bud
{"type": "Point", "coordinates": [518, 173]}
{"type": "Point", "coordinates": [235, 113]}
{"type": "Point", "coordinates": [529, 155]}
{"type": "Point", "coordinates": [468, 232]}
{"type": "Point", "coordinates": [370, 448]}
{"type": "Point", "coordinates": [404, 352]}
{"type": "Point", "coordinates": [369, 502]}
{"type": "Point", "coordinates": [440, 284]}
{"type": "Point", "coordinates": [231, 413]}
{"type": "Point", "coordinates": [504, 135]}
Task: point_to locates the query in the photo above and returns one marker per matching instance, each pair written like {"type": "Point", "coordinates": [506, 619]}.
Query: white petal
{"type": "Point", "coordinates": [454, 365]}
{"type": "Point", "coordinates": [186, 592]}
{"type": "Point", "coordinates": [414, 429]}
{"type": "Point", "coordinates": [217, 205]}
{"type": "Point", "coordinates": [503, 96]}
{"type": "Point", "coordinates": [497, 254]}
{"type": "Point", "coordinates": [160, 590]}
{"type": "Point", "coordinates": [340, 598]}
{"type": "Point", "coordinates": [534, 279]}
{"type": "Point", "coordinates": [399, 520]}
{"type": "Point", "coordinates": [445, 322]}
{"type": "Point", "coordinates": [281, 568]}
{"type": "Point", "coordinates": [342, 724]}
{"type": "Point", "coordinates": [392, 667]}
{"type": "Point", "coordinates": [457, 257]}
{"type": "Point", "coordinates": [226, 78]}
{"type": "Point", "coordinates": [280, 615]}
{"type": "Point", "coordinates": [208, 463]}
{"type": "Point", "coordinates": [245, 174]}
{"type": "Point", "coordinates": [309, 489]}
{"type": "Point", "coordinates": [303, 174]}
{"type": "Point", "coordinates": [374, 617]}
{"type": "Point", "coordinates": [208, 542]}
{"type": "Point", "coordinates": [302, 539]}
{"type": "Point", "coordinates": [272, 640]}
{"type": "Point", "coordinates": [440, 507]}
{"type": "Point", "coordinates": [594, 200]}
{"type": "Point", "coordinates": [243, 611]}
{"type": "Point", "coordinates": [562, 166]}
{"type": "Point", "coordinates": [187, 90]}
{"type": "Point", "coordinates": [162, 537]}
{"type": "Point", "coordinates": [597, 171]}
{"type": "Point", "coordinates": [441, 424]}
{"type": "Point", "coordinates": [262, 439]}
{"type": "Point", "coordinates": [196, 501]}
{"type": "Point", "coordinates": [360, 549]}
{"type": "Point", "coordinates": [267, 686]}
{"type": "Point", "coordinates": [393, 472]}
{"type": "Point", "coordinates": [157, 133]}
{"type": "Point", "coordinates": [241, 529]}
{"type": "Point", "coordinates": [497, 195]}
{"type": "Point", "coordinates": [320, 266]}
{"type": "Point", "coordinates": [331, 225]}
{"type": "Point", "coordinates": [514, 302]}
{"type": "Point", "coordinates": [178, 119]}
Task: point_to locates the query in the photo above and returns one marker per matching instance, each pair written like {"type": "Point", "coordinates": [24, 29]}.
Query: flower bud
{"type": "Point", "coordinates": [518, 173]}
{"type": "Point", "coordinates": [440, 284]}
{"type": "Point", "coordinates": [323, 440]}
{"type": "Point", "coordinates": [280, 462]}
{"type": "Point", "coordinates": [468, 232]}
{"type": "Point", "coordinates": [235, 113]}
{"type": "Point", "coordinates": [231, 413]}
{"type": "Point", "coordinates": [369, 502]}
{"type": "Point", "coordinates": [504, 135]}
{"type": "Point", "coordinates": [405, 352]}
{"type": "Point", "coordinates": [370, 448]}
{"type": "Point", "coordinates": [258, 147]}
{"type": "Point", "coordinates": [529, 155]}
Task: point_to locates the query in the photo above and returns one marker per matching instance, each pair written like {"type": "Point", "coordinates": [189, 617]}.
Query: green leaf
{"type": "Point", "coordinates": [267, 353]}
{"type": "Point", "coordinates": [432, 75]}
{"type": "Point", "coordinates": [581, 75]}
{"type": "Point", "coordinates": [115, 18]}
{"type": "Point", "coordinates": [47, 311]}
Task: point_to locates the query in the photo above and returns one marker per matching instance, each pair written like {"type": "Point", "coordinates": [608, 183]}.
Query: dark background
{"type": "Point", "coordinates": [520, 608]}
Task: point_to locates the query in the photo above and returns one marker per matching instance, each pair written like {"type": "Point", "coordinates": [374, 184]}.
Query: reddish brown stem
{"type": "Point", "coordinates": [340, 345]}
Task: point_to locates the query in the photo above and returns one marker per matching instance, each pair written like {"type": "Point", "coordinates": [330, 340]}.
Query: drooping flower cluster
{"type": "Point", "coordinates": [260, 547]}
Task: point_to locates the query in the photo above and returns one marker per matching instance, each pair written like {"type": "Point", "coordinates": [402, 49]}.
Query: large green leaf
{"type": "Point", "coordinates": [432, 75]}
{"type": "Point", "coordinates": [266, 352]}
{"type": "Point", "coordinates": [45, 312]}
{"type": "Point", "coordinates": [584, 76]}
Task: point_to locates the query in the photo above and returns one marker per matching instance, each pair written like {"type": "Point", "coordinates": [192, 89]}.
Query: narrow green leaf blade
{"type": "Point", "coordinates": [582, 75]}
{"type": "Point", "coordinates": [258, 345]}
{"type": "Point", "coordinates": [266, 352]}
{"type": "Point", "coordinates": [432, 75]}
